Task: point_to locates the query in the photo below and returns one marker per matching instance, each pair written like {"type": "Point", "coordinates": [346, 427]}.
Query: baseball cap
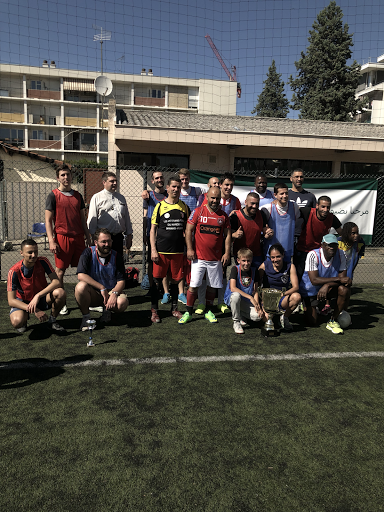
{"type": "Point", "coordinates": [330, 239]}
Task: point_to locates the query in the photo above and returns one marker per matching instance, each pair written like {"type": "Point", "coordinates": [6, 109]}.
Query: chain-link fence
{"type": "Point", "coordinates": [24, 189]}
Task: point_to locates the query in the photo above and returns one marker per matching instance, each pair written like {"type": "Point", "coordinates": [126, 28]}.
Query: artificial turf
{"type": "Point", "coordinates": [225, 436]}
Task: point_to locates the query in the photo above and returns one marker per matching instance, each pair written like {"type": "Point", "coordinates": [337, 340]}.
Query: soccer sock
{"type": "Point", "coordinates": [191, 297]}
{"type": "Point", "coordinates": [52, 319]}
{"type": "Point", "coordinates": [174, 289]}
{"type": "Point", "coordinates": [210, 295]}
{"type": "Point", "coordinates": [155, 293]}
{"type": "Point", "coordinates": [221, 291]}
{"type": "Point", "coordinates": [87, 316]}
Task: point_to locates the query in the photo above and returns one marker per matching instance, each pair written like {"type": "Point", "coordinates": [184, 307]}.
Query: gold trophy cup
{"type": "Point", "coordinates": [271, 298]}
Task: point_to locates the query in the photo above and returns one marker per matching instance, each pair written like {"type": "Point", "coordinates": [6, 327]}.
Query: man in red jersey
{"type": "Point", "coordinates": [29, 292]}
{"type": "Point", "coordinates": [317, 223]}
{"type": "Point", "coordinates": [66, 225]}
{"type": "Point", "coordinates": [247, 227]}
{"type": "Point", "coordinates": [210, 225]}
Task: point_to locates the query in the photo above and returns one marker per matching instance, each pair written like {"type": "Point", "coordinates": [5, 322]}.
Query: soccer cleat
{"type": "Point", "coordinates": [200, 309]}
{"type": "Point", "coordinates": [238, 328]}
{"type": "Point", "coordinates": [176, 313]}
{"type": "Point", "coordinates": [64, 311]}
{"type": "Point", "coordinates": [166, 298]}
{"type": "Point", "coordinates": [84, 326]}
{"type": "Point", "coordinates": [286, 324]}
{"type": "Point", "coordinates": [97, 309]}
{"type": "Point", "coordinates": [155, 317]}
{"type": "Point", "coordinates": [56, 327]}
{"type": "Point", "coordinates": [21, 329]}
{"type": "Point", "coordinates": [334, 327]}
{"type": "Point", "coordinates": [106, 317]}
{"type": "Point", "coordinates": [182, 298]}
{"type": "Point", "coordinates": [185, 318]}
{"type": "Point", "coordinates": [211, 317]}
{"type": "Point", "coordinates": [223, 308]}
{"type": "Point", "coordinates": [326, 310]}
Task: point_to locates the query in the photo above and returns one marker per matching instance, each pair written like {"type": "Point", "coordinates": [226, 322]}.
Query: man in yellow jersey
{"type": "Point", "coordinates": [167, 245]}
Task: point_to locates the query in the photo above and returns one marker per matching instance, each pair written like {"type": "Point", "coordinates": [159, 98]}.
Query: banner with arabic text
{"type": "Point", "coordinates": [352, 200]}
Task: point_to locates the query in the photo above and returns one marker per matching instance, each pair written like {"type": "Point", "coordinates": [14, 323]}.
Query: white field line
{"type": "Point", "coordinates": [174, 360]}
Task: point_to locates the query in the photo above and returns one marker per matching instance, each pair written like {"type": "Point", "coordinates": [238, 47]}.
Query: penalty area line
{"type": "Point", "coordinates": [192, 359]}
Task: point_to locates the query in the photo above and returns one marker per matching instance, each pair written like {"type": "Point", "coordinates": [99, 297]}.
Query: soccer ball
{"type": "Point", "coordinates": [344, 319]}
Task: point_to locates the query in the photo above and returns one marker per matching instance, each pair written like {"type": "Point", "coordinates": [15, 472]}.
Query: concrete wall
{"type": "Point", "coordinates": [177, 97]}
{"type": "Point", "coordinates": [217, 97]}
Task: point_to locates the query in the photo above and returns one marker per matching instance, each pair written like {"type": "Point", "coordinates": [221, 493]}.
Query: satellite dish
{"type": "Point", "coordinates": [103, 85]}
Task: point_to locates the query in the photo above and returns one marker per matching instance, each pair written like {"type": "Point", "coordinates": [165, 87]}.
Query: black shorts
{"type": "Point", "coordinates": [42, 305]}
{"type": "Point", "coordinates": [313, 300]}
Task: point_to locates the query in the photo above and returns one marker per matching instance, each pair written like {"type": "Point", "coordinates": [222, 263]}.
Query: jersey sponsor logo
{"type": "Point", "coordinates": [210, 230]}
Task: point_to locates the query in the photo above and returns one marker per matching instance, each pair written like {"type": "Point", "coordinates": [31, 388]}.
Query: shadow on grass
{"type": "Point", "coordinates": [20, 373]}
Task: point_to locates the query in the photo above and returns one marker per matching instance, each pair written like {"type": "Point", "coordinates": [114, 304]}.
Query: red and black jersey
{"type": "Point", "coordinates": [26, 286]}
{"type": "Point", "coordinates": [67, 214]}
{"type": "Point", "coordinates": [252, 229]}
{"type": "Point", "coordinates": [313, 231]}
{"type": "Point", "coordinates": [209, 233]}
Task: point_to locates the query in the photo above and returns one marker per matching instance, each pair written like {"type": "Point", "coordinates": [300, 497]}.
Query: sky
{"type": "Point", "coordinates": [169, 36]}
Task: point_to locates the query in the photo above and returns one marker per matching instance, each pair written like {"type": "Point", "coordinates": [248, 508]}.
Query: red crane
{"type": "Point", "coordinates": [232, 77]}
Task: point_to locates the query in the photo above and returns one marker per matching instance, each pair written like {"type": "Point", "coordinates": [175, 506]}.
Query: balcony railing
{"type": "Point", "coordinates": [7, 117]}
{"type": "Point", "coordinates": [44, 144]}
{"type": "Point", "coordinates": [43, 95]}
{"type": "Point", "coordinates": [80, 121]}
{"type": "Point", "coordinates": [149, 102]}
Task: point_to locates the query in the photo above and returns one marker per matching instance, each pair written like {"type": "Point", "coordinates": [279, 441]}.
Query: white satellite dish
{"type": "Point", "coordinates": [103, 85]}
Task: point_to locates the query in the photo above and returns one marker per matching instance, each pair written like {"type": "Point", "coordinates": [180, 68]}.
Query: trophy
{"type": "Point", "coordinates": [271, 299]}
{"type": "Point", "coordinates": [91, 326]}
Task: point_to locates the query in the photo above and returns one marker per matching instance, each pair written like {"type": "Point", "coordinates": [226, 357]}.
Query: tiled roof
{"type": "Point", "coordinates": [243, 124]}
{"type": "Point", "coordinates": [10, 149]}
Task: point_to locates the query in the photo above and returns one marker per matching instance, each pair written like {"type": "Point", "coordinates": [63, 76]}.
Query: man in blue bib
{"type": "Point", "coordinates": [325, 278]}
{"type": "Point", "coordinates": [101, 276]}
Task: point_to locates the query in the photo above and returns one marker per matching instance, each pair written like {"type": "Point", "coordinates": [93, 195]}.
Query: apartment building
{"type": "Point", "coordinates": [371, 87]}
{"type": "Point", "coordinates": [59, 113]}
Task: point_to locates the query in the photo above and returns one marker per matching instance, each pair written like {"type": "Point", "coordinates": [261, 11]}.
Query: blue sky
{"type": "Point", "coordinates": [168, 36]}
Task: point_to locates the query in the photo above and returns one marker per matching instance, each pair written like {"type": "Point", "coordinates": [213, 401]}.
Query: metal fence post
{"type": "Point", "coordinates": [144, 258]}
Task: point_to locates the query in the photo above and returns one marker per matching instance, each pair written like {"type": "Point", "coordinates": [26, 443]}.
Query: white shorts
{"type": "Point", "coordinates": [214, 271]}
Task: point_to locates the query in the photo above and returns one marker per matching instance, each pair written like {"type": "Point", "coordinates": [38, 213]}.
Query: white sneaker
{"type": "Point", "coordinates": [237, 328]}
{"type": "Point", "coordinates": [84, 325]}
{"type": "Point", "coordinates": [64, 311]}
{"type": "Point", "coordinates": [243, 323]}
{"type": "Point", "coordinates": [106, 317]}
{"type": "Point", "coordinates": [97, 309]}
{"type": "Point", "coordinates": [22, 329]}
{"type": "Point", "coordinates": [286, 324]}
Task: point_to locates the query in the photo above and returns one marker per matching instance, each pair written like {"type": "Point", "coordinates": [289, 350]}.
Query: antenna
{"type": "Point", "coordinates": [105, 35]}
{"type": "Point", "coordinates": [121, 60]}
{"type": "Point", "coordinates": [103, 86]}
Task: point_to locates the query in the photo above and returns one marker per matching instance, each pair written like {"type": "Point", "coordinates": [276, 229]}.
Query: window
{"type": "Point", "coordinates": [52, 120]}
{"type": "Point", "coordinates": [36, 84]}
{"type": "Point", "coordinates": [88, 138]}
{"type": "Point", "coordinates": [9, 134]}
{"type": "Point", "coordinates": [156, 93]}
{"type": "Point", "coordinates": [153, 160]}
{"type": "Point", "coordinates": [37, 135]}
{"type": "Point", "coordinates": [4, 92]}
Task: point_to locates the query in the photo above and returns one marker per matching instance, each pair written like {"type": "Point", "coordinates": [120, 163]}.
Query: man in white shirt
{"type": "Point", "coordinates": [108, 209]}
{"type": "Point", "coordinates": [261, 184]}
{"type": "Point", "coordinates": [325, 278]}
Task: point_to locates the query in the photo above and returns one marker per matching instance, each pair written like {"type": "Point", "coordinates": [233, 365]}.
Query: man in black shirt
{"type": "Point", "coordinates": [303, 198]}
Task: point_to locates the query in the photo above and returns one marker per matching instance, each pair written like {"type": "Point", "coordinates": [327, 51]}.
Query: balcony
{"type": "Point", "coordinates": [44, 144]}
{"type": "Point", "coordinates": [149, 102]}
{"type": "Point", "coordinates": [7, 117]}
{"type": "Point", "coordinates": [43, 95]}
{"type": "Point", "coordinates": [80, 121]}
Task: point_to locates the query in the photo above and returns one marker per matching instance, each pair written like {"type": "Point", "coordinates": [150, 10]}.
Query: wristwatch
{"type": "Point", "coordinates": [116, 293]}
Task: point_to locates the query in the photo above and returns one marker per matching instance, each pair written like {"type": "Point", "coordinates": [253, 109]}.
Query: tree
{"type": "Point", "coordinates": [325, 86]}
{"type": "Point", "coordinates": [272, 102]}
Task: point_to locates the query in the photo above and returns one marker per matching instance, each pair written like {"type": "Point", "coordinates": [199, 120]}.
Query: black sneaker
{"type": "Point", "coordinates": [56, 327]}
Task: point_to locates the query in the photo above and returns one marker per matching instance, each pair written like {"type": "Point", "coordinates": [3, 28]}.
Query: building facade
{"type": "Point", "coordinates": [59, 113]}
{"type": "Point", "coordinates": [371, 87]}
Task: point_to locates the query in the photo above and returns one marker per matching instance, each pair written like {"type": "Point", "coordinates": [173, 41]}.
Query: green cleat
{"type": "Point", "coordinates": [211, 317]}
{"type": "Point", "coordinates": [185, 318]}
{"type": "Point", "coordinates": [223, 308]}
{"type": "Point", "coordinates": [200, 309]}
{"type": "Point", "coordinates": [334, 327]}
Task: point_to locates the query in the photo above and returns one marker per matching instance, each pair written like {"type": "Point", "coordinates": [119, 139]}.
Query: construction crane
{"type": "Point", "coordinates": [232, 77]}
